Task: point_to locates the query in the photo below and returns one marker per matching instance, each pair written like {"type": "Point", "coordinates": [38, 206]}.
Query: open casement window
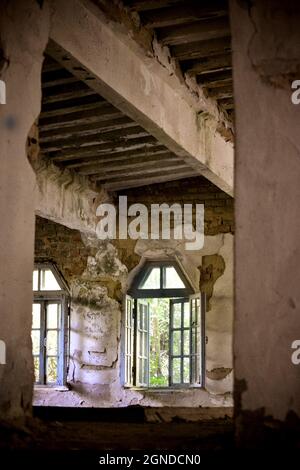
{"type": "Point", "coordinates": [161, 293]}
{"type": "Point", "coordinates": [49, 326]}
{"type": "Point", "coordinates": [187, 341]}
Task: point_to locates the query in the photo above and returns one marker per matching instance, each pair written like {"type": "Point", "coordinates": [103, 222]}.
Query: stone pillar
{"type": "Point", "coordinates": [266, 60]}
{"type": "Point", "coordinates": [24, 26]}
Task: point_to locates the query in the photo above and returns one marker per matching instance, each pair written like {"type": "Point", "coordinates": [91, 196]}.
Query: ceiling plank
{"type": "Point", "coordinates": [208, 64]}
{"type": "Point", "coordinates": [130, 164]}
{"type": "Point", "coordinates": [120, 156]}
{"type": "Point", "coordinates": [198, 49]}
{"type": "Point", "coordinates": [185, 13]}
{"type": "Point", "coordinates": [197, 31]}
{"type": "Point", "coordinates": [138, 182]}
{"type": "Point", "coordinates": [115, 174]}
{"type": "Point", "coordinates": [85, 141]}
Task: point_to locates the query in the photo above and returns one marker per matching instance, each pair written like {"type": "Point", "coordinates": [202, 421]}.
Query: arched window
{"type": "Point", "coordinates": [164, 329]}
{"type": "Point", "coordinates": [49, 325]}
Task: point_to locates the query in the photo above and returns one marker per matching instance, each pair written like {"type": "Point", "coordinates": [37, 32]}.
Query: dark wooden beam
{"type": "Point", "coordinates": [75, 141]}
{"type": "Point", "coordinates": [221, 92]}
{"type": "Point", "coordinates": [198, 49]}
{"type": "Point", "coordinates": [215, 78]}
{"type": "Point", "coordinates": [219, 62]}
{"type": "Point", "coordinates": [197, 31]}
{"type": "Point", "coordinates": [130, 164]}
{"type": "Point", "coordinates": [115, 175]}
{"type": "Point", "coordinates": [104, 113]}
{"type": "Point", "coordinates": [138, 182]}
{"type": "Point", "coordinates": [146, 5]}
{"type": "Point", "coordinates": [102, 149]}
{"type": "Point", "coordinates": [51, 111]}
{"type": "Point", "coordinates": [185, 13]}
{"type": "Point", "coordinates": [144, 152]}
{"type": "Point", "coordinates": [69, 95]}
{"type": "Point", "coordinates": [86, 129]}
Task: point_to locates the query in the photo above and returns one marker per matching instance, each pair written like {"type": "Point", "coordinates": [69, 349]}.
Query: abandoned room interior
{"type": "Point", "coordinates": [159, 103]}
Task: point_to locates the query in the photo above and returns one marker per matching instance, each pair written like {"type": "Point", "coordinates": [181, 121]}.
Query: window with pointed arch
{"type": "Point", "coordinates": [164, 329]}
{"type": "Point", "coordinates": [50, 327]}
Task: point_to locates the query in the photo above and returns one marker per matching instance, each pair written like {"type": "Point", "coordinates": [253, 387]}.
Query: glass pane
{"type": "Point", "coordinates": [145, 345]}
{"type": "Point", "coordinates": [36, 315]}
{"type": "Point", "coordinates": [52, 342]}
{"type": "Point", "coordinates": [53, 315]}
{"type": "Point", "coordinates": [176, 373]}
{"type": "Point", "coordinates": [176, 343]}
{"type": "Point", "coordinates": [172, 279]}
{"type": "Point", "coordinates": [153, 280]}
{"type": "Point", "coordinates": [186, 370]}
{"type": "Point", "coordinates": [35, 280]}
{"type": "Point", "coordinates": [36, 365]}
{"type": "Point", "coordinates": [176, 316]}
{"type": "Point", "coordinates": [141, 344]}
{"type": "Point", "coordinates": [48, 281]}
{"type": "Point", "coordinates": [186, 342]}
{"type": "Point", "coordinates": [35, 336]}
{"type": "Point", "coordinates": [159, 342]}
{"type": "Point", "coordinates": [51, 369]}
{"type": "Point", "coordinates": [141, 372]}
{"type": "Point", "coordinates": [187, 314]}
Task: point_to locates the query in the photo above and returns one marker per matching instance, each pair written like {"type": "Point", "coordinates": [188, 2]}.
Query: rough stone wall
{"type": "Point", "coordinates": [99, 274]}
{"type": "Point", "coordinates": [266, 39]}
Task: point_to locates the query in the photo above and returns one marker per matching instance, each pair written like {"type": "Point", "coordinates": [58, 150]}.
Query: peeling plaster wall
{"type": "Point", "coordinates": [99, 274]}
{"type": "Point", "coordinates": [266, 39]}
{"type": "Point", "coordinates": [24, 27]}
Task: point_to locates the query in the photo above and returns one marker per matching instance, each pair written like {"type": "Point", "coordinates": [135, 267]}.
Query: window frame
{"type": "Point", "coordinates": [62, 297]}
{"type": "Point", "coordinates": [135, 293]}
{"type": "Point", "coordinates": [138, 293]}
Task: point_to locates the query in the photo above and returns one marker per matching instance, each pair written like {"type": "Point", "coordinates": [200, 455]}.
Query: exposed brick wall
{"type": "Point", "coordinates": [219, 212]}
{"type": "Point", "coordinates": [62, 246]}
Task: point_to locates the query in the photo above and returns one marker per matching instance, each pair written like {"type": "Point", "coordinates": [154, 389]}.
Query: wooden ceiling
{"type": "Point", "coordinates": [197, 33]}
{"type": "Point", "coordinates": [83, 132]}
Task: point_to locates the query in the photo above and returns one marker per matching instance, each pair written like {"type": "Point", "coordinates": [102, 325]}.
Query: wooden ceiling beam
{"type": "Point", "coordinates": [106, 148]}
{"type": "Point", "coordinates": [143, 152]}
{"type": "Point", "coordinates": [185, 13]}
{"type": "Point", "coordinates": [138, 182]}
{"type": "Point", "coordinates": [86, 129]}
{"type": "Point", "coordinates": [197, 31]}
{"type": "Point", "coordinates": [137, 172]}
{"type": "Point", "coordinates": [207, 64]}
{"type": "Point", "coordinates": [85, 141]}
{"type": "Point", "coordinates": [146, 5]}
{"type": "Point", "coordinates": [129, 164]}
{"type": "Point", "coordinates": [198, 49]}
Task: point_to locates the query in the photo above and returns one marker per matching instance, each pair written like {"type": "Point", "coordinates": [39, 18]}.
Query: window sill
{"type": "Point", "coordinates": [52, 388]}
{"type": "Point", "coordinates": [165, 389]}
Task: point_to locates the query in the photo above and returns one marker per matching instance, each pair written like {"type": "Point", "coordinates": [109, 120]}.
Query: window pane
{"type": "Point", "coordinates": [35, 280]}
{"type": "Point", "coordinates": [141, 344]}
{"type": "Point", "coordinates": [36, 365]}
{"type": "Point", "coordinates": [172, 279]}
{"type": "Point", "coordinates": [53, 315]}
{"type": "Point", "coordinates": [35, 336]}
{"type": "Point", "coordinates": [176, 316]}
{"type": "Point", "coordinates": [153, 280]}
{"type": "Point", "coordinates": [187, 314]}
{"type": "Point", "coordinates": [48, 281]}
{"type": "Point", "coordinates": [176, 373]}
{"type": "Point", "coordinates": [36, 315]}
{"type": "Point", "coordinates": [186, 370]}
{"type": "Point", "coordinates": [145, 345]}
{"type": "Point", "coordinates": [52, 342]}
{"type": "Point", "coordinates": [176, 343]}
{"type": "Point", "coordinates": [186, 342]}
{"type": "Point", "coordinates": [51, 369]}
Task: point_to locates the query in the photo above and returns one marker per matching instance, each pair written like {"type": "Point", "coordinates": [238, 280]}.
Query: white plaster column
{"type": "Point", "coordinates": [24, 29]}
